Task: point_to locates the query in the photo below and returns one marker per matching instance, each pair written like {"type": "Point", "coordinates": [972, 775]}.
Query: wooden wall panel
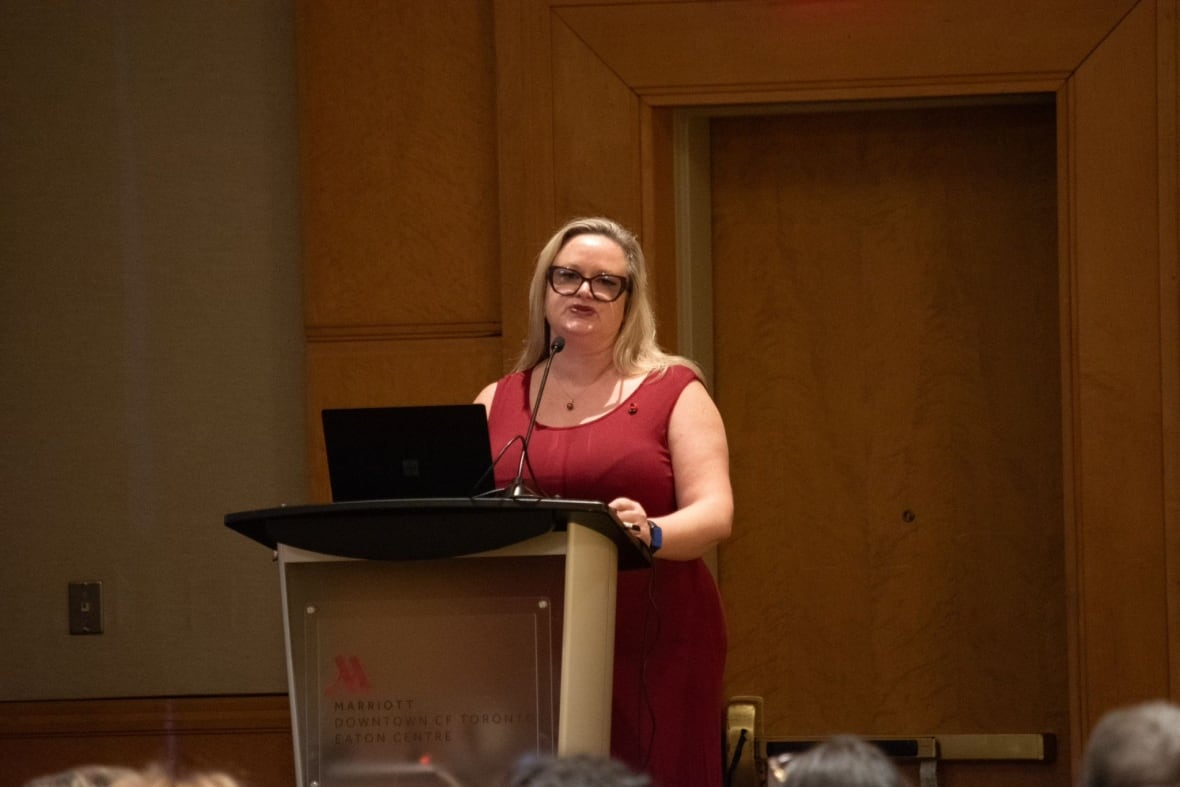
{"type": "Point", "coordinates": [657, 230]}
{"type": "Point", "coordinates": [751, 46]}
{"type": "Point", "coordinates": [596, 122]}
{"type": "Point", "coordinates": [1119, 480]}
{"type": "Point", "coordinates": [246, 736]}
{"type": "Point", "coordinates": [1168, 145]}
{"type": "Point", "coordinates": [398, 157]}
{"type": "Point", "coordinates": [525, 142]}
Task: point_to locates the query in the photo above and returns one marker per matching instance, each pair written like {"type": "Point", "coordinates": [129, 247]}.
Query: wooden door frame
{"type": "Point", "coordinates": [588, 101]}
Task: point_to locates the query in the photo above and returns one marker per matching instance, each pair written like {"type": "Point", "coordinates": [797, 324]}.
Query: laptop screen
{"type": "Point", "coordinates": [392, 453]}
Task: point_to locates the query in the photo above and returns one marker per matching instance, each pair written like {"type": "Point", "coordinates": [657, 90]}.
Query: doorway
{"type": "Point", "coordinates": [886, 354]}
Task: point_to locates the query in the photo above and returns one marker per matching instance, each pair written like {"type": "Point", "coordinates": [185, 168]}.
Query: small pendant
{"type": "Point", "coordinates": [569, 405]}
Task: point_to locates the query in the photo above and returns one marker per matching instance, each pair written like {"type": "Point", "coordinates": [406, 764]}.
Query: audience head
{"type": "Point", "coordinates": [839, 761]}
{"type": "Point", "coordinates": [83, 776]}
{"type": "Point", "coordinates": [1135, 746]}
{"type": "Point", "coordinates": [104, 776]}
{"type": "Point", "coordinates": [576, 770]}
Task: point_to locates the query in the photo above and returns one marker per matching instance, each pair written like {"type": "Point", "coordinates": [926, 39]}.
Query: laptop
{"type": "Point", "coordinates": [399, 453]}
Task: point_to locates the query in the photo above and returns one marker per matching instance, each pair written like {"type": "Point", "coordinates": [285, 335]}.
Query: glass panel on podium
{"type": "Point", "coordinates": [426, 672]}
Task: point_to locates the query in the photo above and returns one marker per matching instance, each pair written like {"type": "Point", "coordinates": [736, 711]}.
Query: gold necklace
{"type": "Point", "coordinates": [569, 400]}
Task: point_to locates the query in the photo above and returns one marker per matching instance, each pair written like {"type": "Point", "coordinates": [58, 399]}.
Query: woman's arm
{"type": "Point", "coordinates": [700, 463]}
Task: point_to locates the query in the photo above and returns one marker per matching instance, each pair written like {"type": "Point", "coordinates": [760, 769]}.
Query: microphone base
{"type": "Point", "coordinates": [514, 492]}
{"type": "Point", "coordinates": [520, 490]}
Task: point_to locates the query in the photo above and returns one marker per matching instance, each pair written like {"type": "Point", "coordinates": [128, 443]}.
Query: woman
{"type": "Point", "coordinates": [623, 422]}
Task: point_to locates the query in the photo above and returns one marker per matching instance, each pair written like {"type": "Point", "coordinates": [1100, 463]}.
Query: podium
{"type": "Point", "coordinates": [436, 641]}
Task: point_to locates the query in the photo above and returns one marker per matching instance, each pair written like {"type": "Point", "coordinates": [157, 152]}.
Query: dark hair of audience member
{"type": "Point", "coordinates": [575, 770]}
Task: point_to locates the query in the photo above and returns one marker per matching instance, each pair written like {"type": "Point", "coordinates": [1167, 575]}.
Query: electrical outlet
{"type": "Point", "coordinates": [85, 609]}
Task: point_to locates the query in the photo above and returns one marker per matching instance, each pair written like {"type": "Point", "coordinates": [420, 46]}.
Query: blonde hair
{"type": "Point", "coordinates": [636, 350]}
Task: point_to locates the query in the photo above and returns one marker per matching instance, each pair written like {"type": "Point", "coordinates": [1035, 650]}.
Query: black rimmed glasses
{"type": "Point", "coordinates": [603, 286]}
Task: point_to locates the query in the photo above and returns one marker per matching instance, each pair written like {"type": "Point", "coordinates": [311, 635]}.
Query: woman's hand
{"type": "Point", "coordinates": [633, 517]}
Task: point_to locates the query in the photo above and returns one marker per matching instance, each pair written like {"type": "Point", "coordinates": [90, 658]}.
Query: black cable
{"type": "Point", "coordinates": [737, 757]}
{"type": "Point", "coordinates": [652, 618]}
{"type": "Point", "coordinates": [492, 467]}
{"type": "Point", "coordinates": [498, 492]}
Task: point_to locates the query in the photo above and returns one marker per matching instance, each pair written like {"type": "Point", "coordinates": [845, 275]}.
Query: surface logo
{"type": "Point", "coordinates": [350, 677]}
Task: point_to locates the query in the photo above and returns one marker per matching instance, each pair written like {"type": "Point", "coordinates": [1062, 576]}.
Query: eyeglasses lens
{"type": "Point", "coordinates": [603, 287]}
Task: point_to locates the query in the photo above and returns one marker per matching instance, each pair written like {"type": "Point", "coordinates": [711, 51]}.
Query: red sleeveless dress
{"type": "Point", "coordinates": [670, 636]}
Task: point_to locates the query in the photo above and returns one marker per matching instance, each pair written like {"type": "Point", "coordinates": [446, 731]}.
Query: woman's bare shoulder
{"type": "Point", "coordinates": [486, 396]}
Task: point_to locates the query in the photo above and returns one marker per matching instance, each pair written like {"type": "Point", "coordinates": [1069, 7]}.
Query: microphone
{"type": "Point", "coordinates": [518, 489]}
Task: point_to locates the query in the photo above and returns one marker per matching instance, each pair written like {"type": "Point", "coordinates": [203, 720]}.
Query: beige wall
{"type": "Point", "coordinates": [150, 340]}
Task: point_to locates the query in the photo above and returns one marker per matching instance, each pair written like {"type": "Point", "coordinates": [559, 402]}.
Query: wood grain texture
{"type": "Point", "coordinates": [245, 736]}
{"type": "Point", "coordinates": [595, 122]}
{"type": "Point", "coordinates": [1168, 147]}
{"type": "Point", "coordinates": [1118, 360]}
{"type": "Point", "coordinates": [524, 131]}
{"type": "Point", "coordinates": [748, 45]}
{"type": "Point", "coordinates": [398, 163]}
{"type": "Point", "coordinates": [886, 294]}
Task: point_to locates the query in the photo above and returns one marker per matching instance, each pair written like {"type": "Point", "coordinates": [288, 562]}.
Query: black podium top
{"type": "Point", "coordinates": [431, 528]}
